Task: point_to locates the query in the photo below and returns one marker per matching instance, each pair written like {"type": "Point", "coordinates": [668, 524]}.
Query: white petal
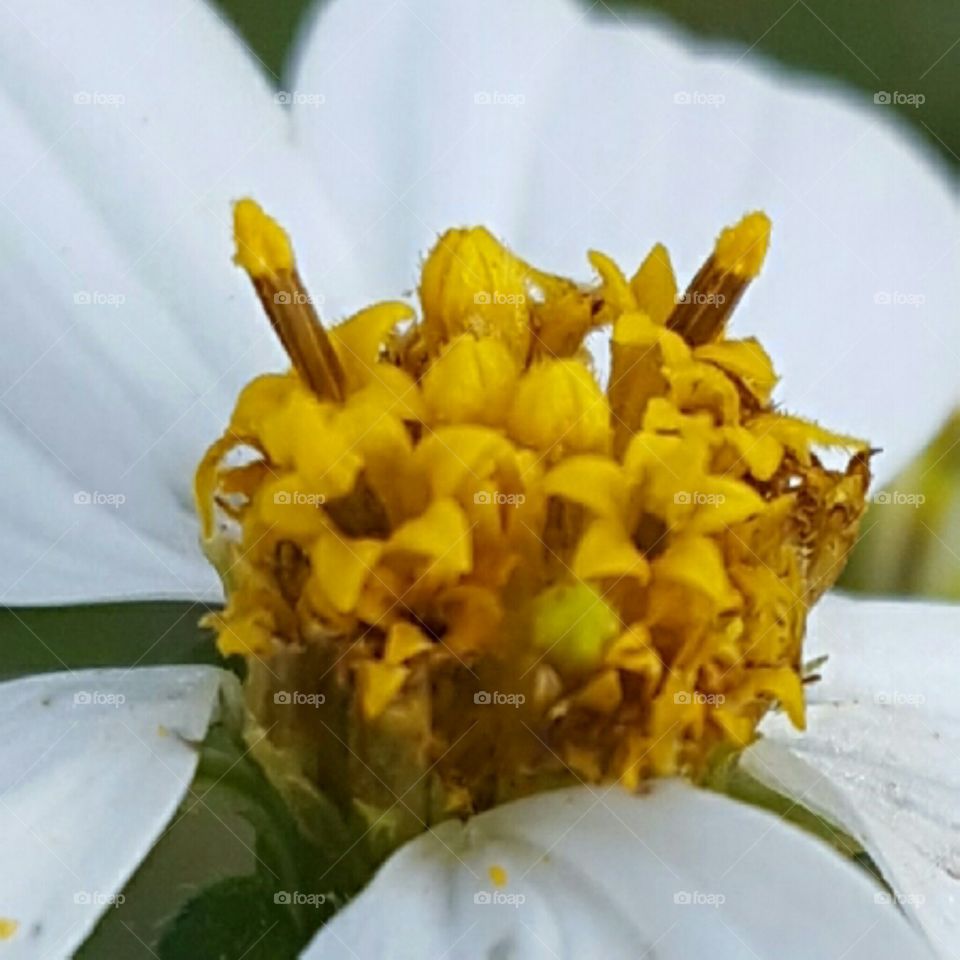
{"type": "Point", "coordinates": [675, 873]}
{"type": "Point", "coordinates": [92, 767]}
{"type": "Point", "coordinates": [420, 128]}
{"type": "Point", "coordinates": [881, 755]}
{"type": "Point", "coordinates": [599, 153]}
{"type": "Point", "coordinates": [123, 150]}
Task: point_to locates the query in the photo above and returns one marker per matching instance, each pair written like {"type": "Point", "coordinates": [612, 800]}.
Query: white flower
{"type": "Point", "coordinates": [132, 127]}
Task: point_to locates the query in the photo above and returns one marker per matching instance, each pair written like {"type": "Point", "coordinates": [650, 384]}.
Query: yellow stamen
{"type": "Point", "coordinates": [741, 249]}
{"type": "Point", "coordinates": [264, 251]}
{"type": "Point", "coordinates": [702, 311]}
{"type": "Point", "coordinates": [263, 247]}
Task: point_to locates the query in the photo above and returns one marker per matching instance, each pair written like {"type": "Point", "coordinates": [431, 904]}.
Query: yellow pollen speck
{"type": "Point", "coordinates": [8, 928]}
{"type": "Point", "coordinates": [741, 249]}
{"type": "Point", "coordinates": [162, 731]}
{"type": "Point", "coordinates": [498, 876]}
{"type": "Point", "coordinates": [489, 565]}
{"type": "Point", "coordinates": [263, 247]}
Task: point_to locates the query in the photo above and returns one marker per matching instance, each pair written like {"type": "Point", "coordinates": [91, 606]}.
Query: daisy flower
{"type": "Point", "coordinates": [517, 564]}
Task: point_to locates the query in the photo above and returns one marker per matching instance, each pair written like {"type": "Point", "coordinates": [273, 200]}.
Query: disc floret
{"type": "Point", "coordinates": [496, 572]}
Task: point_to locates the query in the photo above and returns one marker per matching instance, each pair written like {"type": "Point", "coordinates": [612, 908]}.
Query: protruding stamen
{"type": "Point", "coordinates": [702, 311]}
{"type": "Point", "coordinates": [264, 251]}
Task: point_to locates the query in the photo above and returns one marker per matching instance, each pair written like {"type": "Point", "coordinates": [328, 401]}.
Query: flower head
{"type": "Point", "coordinates": [450, 527]}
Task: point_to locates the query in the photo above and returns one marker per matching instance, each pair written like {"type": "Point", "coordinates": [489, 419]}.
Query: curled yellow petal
{"type": "Point", "coordinates": [340, 567]}
{"type": "Point", "coordinates": [697, 562]}
{"type": "Point", "coordinates": [472, 381]}
{"type": "Point", "coordinates": [472, 284]}
{"type": "Point", "coordinates": [378, 684]}
{"type": "Point", "coordinates": [605, 550]}
{"type": "Point", "coordinates": [441, 534]}
{"type": "Point", "coordinates": [654, 285]}
{"type": "Point", "coordinates": [558, 404]}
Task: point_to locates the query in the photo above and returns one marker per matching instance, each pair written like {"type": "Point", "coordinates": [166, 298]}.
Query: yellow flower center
{"type": "Point", "coordinates": [493, 570]}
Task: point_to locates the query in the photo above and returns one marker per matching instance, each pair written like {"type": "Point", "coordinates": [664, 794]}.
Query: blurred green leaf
{"type": "Point", "coordinates": [233, 875]}
{"type": "Point", "coordinates": [41, 639]}
{"type": "Point", "coordinates": [234, 918]}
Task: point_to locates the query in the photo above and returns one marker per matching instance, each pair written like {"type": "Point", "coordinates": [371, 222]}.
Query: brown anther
{"type": "Point", "coordinates": [702, 311]}
{"type": "Point", "coordinates": [296, 323]}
